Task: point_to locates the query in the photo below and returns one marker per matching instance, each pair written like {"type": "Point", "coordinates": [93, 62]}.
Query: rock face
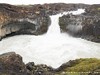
{"type": "Point", "coordinates": [22, 20]}
{"type": "Point", "coordinates": [87, 27]}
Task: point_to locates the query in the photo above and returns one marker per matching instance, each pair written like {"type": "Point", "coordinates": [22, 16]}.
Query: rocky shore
{"type": "Point", "coordinates": [12, 64]}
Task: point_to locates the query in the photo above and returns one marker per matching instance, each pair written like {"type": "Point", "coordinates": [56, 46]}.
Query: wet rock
{"type": "Point", "coordinates": [87, 27]}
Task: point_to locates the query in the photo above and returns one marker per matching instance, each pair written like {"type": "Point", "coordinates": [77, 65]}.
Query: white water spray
{"type": "Point", "coordinates": [52, 48]}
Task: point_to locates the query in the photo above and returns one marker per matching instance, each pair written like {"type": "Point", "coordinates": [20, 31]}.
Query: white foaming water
{"type": "Point", "coordinates": [52, 48]}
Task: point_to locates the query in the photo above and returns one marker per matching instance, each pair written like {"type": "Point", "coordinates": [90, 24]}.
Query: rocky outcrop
{"type": "Point", "coordinates": [87, 27]}
{"type": "Point", "coordinates": [12, 64]}
{"type": "Point", "coordinates": [21, 20]}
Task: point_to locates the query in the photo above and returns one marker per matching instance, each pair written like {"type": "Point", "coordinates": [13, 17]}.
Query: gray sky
{"type": "Point", "coordinates": [49, 1]}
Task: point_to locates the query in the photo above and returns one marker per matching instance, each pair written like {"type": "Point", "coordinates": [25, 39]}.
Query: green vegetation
{"type": "Point", "coordinates": [84, 65]}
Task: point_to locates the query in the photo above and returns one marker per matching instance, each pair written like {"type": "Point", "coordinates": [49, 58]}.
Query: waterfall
{"type": "Point", "coordinates": [54, 28]}
{"type": "Point", "coordinates": [52, 48]}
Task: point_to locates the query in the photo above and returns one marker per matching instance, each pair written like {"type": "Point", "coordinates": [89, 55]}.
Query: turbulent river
{"type": "Point", "coordinates": [53, 48]}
